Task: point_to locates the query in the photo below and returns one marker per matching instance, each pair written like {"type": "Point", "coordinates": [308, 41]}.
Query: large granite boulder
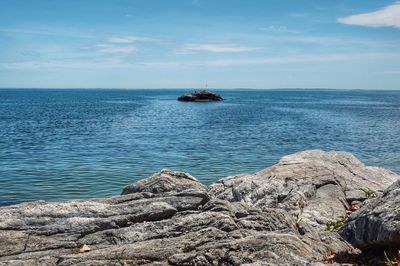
{"type": "Point", "coordinates": [42, 233]}
{"type": "Point", "coordinates": [377, 223]}
{"type": "Point", "coordinates": [316, 187]}
{"type": "Point", "coordinates": [139, 230]}
{"type": "Point", "coordinates": [165, 181]}
{"type": "Point", "coordinates": [200, 96]}
{"type": "Point", "coordinates": [274, 217]}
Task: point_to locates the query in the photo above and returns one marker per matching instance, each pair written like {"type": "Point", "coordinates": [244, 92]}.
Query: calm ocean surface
{"type": "Point", "coordinates": [68, 144]}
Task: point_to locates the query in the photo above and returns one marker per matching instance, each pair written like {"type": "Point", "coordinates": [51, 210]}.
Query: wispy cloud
{"type": "Point", "coordinates": [61, 64]}
{"type": "Point", "coordinates": [113, 49]}
{"type": "Point", "coordinates": [308, 58]}
{"type": "Point", "coordinates": [386, 17]}
{"type": "Point", "coordinates": [263, 61]}
{"type": "Point", "coordinates": [392, 72]}
{"type": "Point", "coordinates": [47, 32]}
{"type": "Point", "coordinates": [30, 54]}
{"type": "Point", "coordinates": [279, 29]}
{"type": "Point", "coordinates": [213, 48]}
{"type": "Point", "coordinates": [123, 45]}
{"type": "Point", "coordinates": [132, 39]}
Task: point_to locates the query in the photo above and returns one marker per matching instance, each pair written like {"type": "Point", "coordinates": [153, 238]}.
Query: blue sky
{"type": "Point", "coordinates": [187, 43]}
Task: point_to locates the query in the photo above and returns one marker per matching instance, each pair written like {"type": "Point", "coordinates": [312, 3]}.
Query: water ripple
{"type": "Point", "coordinates": [67, 144]}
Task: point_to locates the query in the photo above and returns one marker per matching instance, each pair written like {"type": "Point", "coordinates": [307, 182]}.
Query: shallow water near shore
{"type": "Point", "coordinates": [68, 144]}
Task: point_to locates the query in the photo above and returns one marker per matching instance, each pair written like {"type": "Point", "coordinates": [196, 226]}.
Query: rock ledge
{"type": "Point", "coordinates": [282, 215]}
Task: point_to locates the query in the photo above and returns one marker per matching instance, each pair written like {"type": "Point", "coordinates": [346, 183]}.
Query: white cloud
{"type": "Point", "coordinates": [386, 17]}
{"type": "Point", "coordinates": [113, 49]}
{"type": "Point", "coordinates": [132, 39]}
{"type": "Point", "coordinates": [278, 60]}
{"type": "Point", "coordinates": [122, 45]}
{"type": "Point", "coordinates": [213, 48]}
{"type": "Point", "coordinates": [60, 64]}
{"type": "Point", "coordinates": [263, 61]}
{"type": "Point", "coordinates": [279, 29]}
{"type": "Point", "coordinates": [293, 59]}
{"type": "Point", "coordinates": [46, 32]}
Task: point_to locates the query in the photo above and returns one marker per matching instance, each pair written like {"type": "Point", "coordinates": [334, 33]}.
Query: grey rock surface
{"type": "Point", "coordinates": [274, 217]}
{"type": "Point", "coordinates": [165, 181]}
{"type": "Point", "coordinates": [314, 186]}
{"type": "Point", "coordinates": [377, 223]}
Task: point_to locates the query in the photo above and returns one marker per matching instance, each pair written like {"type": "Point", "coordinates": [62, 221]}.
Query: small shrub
{"type": "Point", "coordinates": [369, 193]}
{"type": "Point", "coordinates": [187, 248]}
{"type": "Point", "coordinates": [392, 260]}
{"type": "Point", "coordinates": [333, 227]}
{"type": "Point", "coordinates": [75, 250]}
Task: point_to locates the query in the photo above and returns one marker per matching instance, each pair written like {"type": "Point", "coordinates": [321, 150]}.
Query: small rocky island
{"type": "Point", "coordinates": [311, 208]}
{"type": "Point", "coordinates": [200, 96]}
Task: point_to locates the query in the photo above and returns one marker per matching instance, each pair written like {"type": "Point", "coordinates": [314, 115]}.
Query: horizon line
{"type": "Point", "coordinates": [191, 88]}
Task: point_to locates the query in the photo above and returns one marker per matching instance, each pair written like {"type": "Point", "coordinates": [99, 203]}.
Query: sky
{"type": "Point", "coordinates": [343, 44]}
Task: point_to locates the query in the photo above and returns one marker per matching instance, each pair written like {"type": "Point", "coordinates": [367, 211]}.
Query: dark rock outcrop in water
{"type": "Point", "coordinates": [200, 96]}
{"type": "Point", "coordinates": [278, 216]}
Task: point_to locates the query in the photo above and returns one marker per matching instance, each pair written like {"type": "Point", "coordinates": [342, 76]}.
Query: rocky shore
{"type": "Point", "coordinates": [311, 208]}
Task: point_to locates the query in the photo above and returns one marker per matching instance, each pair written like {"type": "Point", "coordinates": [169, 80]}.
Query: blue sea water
{"type": "Point", "coordinates": [67, 144]}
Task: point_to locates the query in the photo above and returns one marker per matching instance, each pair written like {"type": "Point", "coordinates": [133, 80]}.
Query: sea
{"type": "Point", "coordinates": [63, 144]}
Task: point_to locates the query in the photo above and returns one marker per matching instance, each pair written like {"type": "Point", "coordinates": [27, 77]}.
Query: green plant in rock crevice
{"type": "Point", "coordinates": [391, 261]}
{"type": "Point", "coordinates": [333, 227]}
{"type": "Point", "coordinates": [369, 193]}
